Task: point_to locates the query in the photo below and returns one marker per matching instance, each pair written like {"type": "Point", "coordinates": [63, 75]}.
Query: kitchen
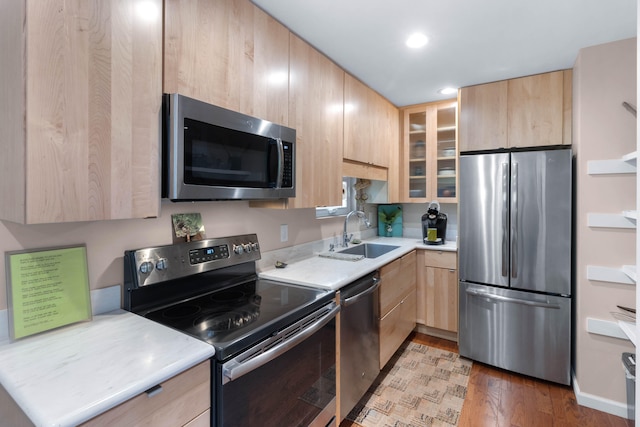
{"type": "Point", "coordinates": [107, 240]}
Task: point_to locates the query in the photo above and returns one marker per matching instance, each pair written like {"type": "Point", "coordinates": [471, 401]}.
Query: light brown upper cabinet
{"type": "Point", "coordinates": [524, 112]}
{"type": "Point", "coordinates": [370, 125]}
{"type": "Point", "coordinates": [228, 53]}
{"type": "Point", "coordinates": [80, 110]}
{"type": "Point", "coordinates": [315, 111]}
{"type": "Point", "coordinates": [483, 117]}
{"type": "Point", "coordinates": [429, 152]}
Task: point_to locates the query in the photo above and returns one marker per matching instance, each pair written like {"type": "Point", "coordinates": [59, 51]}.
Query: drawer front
{"type": "Point", "coordinates": [396, 326]}
{"type": "Point", "coordinates": [439, 259]}
{"type": "Point", "coordinates": [398, 278]}
{"type": "Point", "coordinates": [182, 398]}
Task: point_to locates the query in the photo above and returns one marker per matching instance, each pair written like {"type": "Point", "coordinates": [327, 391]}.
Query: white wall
{"type": "Point", "coordinates": [604, 77]}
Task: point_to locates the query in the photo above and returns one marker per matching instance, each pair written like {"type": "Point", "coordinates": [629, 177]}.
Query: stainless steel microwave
{"type": "Point", "coordinates": [211, 153]}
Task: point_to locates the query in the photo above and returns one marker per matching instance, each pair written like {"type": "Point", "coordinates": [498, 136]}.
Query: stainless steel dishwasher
{"type": "Point", "coordinates": [359, 340]}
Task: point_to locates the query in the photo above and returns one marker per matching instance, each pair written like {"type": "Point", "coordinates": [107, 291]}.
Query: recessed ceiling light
{"type": "Point", "coordinates": [417, 40]}
{"type": "Point", "coordinates": [448, 90]}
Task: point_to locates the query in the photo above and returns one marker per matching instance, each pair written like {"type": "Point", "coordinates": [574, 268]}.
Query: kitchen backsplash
{"type": "Point", "coordinates": [106, 241]}
{"type": "Point", "coordinates": [412, 219]}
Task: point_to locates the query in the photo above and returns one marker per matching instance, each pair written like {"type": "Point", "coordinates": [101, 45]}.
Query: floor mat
{"type": "Point", "coordinates": [420, 386]}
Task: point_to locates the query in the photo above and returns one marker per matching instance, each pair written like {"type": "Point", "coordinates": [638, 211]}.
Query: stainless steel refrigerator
{"type": "Point", "coordinates": [515, 261]}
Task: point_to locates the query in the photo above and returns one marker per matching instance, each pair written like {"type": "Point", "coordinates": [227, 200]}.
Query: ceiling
{"type": "Point", "coordinates": [470, 41]}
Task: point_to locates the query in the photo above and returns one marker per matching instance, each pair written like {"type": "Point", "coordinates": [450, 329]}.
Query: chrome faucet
{"type": "Point", "coordinates": [345, 238]}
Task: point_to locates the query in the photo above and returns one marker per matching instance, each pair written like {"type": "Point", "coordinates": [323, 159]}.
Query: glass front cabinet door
{"type": "Point", "coordinates": [430, 152]}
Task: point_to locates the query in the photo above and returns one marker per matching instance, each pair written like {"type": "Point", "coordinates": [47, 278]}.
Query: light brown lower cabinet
{"type": "Point", "coordinates": [397, 304]}
{"type": "Point", "coordinates": [183, 400]}
{"type": "Point", "coordinates": [202, 420]}
{"type": "Point", "coordinates": [437, 290]}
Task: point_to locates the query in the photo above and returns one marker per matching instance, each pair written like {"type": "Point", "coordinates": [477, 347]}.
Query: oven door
{"type": "Point", "coordinates": [287, 380]}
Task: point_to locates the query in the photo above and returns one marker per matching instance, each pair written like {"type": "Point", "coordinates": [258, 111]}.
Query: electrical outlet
{"type": "Point", "coordinates": [284, 232]}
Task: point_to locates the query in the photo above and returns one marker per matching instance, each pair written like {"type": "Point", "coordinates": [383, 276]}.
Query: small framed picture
{"type": "Point", "coordinates": [187, 227]}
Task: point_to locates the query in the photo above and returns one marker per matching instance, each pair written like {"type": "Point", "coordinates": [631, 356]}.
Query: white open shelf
{"type": "Point", "coordinates": [631, 157]}
{"type": "Point", "coordinates": [626, 164]}
{"type": "Point", "coordinates": [629, 330]}
{"type": "Point", "coordinates": [609, 328]}
{"type": "Point", "coordinates": [622, 220]}
{"type": "Point", "coordinates": [630, 270]}
{"type": "Point", "coordinates": [613, 275]}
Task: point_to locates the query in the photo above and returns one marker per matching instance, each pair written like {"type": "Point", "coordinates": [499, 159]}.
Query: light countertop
{"type": "Point", "coordinates": [327, 273]}
{"type": "Point", "coordinates": [67, 376]}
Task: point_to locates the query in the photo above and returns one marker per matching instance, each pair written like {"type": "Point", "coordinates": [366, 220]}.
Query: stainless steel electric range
{"type": "Point", "coordinates": [274, 360]}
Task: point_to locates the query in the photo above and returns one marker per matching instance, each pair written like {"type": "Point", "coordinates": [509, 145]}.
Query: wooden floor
{"type": "Point", "coordinates": [499, 398]}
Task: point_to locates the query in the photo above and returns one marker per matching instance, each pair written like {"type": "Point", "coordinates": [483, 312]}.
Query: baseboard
{"type": "Point", "coordinates": [438, 333]}
{"type": "Point", "coordinates": [599, 403]}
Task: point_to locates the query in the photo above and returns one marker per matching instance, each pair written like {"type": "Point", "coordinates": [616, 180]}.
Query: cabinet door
{"type": "Point", "coordinates": [92, 84]}
{"type": "Point", "coordinates": [441, 298]}
{"type": "Point", "coordinates": [483, 117]}
{"type": "Point", "coordinates": [371, 124]}
{"type": "Point", "coordinates": [396, 326]}
{"type": "Point", "coordinates": [315, 111]}
{"type": "Point", "coordinates": [437, 293]}
{"type": "Point", "coordinates": [420, 125]}
{"type": "Point", "coordinates": [535, 110]}
{"type": "Point", "coordinates": [430, 152]}
{"type": "Point", "coordinates": [444, 153]}
{"type": "Point", "coordinates": [228, 53]}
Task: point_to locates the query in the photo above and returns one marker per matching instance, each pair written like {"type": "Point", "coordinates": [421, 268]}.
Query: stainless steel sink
{"type": "Point", "coordinates": [369, 250]}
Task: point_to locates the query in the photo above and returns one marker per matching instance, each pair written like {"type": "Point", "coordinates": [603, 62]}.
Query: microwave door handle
{"type": "Point", "coordinates": [280, 177]}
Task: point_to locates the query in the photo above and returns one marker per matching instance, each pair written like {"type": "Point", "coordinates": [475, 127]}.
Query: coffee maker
{"type": "Point", "coordinates": [434, 225]}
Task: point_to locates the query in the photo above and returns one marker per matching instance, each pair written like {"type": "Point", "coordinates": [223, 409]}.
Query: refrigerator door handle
{"type": "Point", "coordinates": [505, 220]}
{"type": "Point", "coordinates": [501, 298]}
{"type": "Point", "coordinates": [514, 221]}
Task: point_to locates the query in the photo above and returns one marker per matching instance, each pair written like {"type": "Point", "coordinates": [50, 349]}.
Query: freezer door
{"type": "Point", "coordinates": [540, 221]}
{"type": "Point", "coordinates": [518, 331]}
{"type": "Point", "coordinates": [484, 219]}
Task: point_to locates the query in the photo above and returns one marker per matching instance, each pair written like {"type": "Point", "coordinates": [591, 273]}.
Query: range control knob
{"type": "Point", "coordinates": [238, 249]}
{"type": "Point", "coordinates": [161, 264]}
{"type": "Point", "coordinates": [255, 246]}
{"type": "Point", "coordinates": [146, 267]}
{"type": "Point", "coordinates": [247, 248]}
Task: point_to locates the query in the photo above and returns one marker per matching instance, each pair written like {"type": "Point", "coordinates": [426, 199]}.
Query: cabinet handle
{"type": "Point", "coordinates": [157, 389]}
{"type": "Point", "coordinates": [451, 270]}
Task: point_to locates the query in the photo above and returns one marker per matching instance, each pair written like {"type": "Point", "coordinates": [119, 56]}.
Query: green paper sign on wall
{"type": "Point", "coordinates": [47, 289]}
{"type": "Point", "coordinates": [390, 220]}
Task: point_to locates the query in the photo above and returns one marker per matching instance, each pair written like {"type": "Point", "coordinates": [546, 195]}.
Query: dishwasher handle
{"type": "Point", "coordinates": [371, 289]}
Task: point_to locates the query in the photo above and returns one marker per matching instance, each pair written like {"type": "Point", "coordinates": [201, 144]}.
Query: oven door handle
{"type": "Point", "coordinates": [234, 369]}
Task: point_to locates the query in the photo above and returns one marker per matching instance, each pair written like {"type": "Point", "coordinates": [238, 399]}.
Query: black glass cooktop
{"type": "Point", "coordinates": [232, 319]}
